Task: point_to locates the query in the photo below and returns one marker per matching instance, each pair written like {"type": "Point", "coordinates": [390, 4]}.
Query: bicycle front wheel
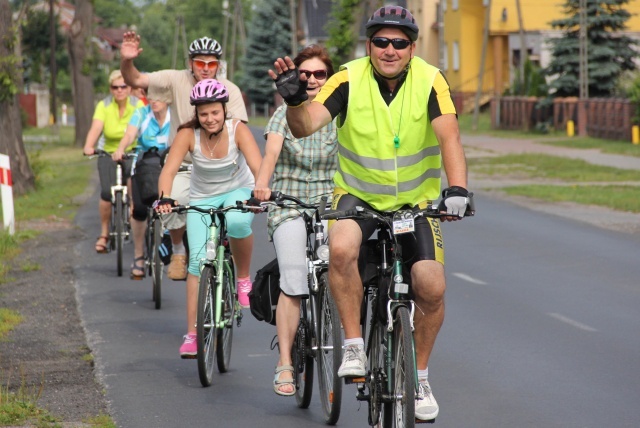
{"type": "Point", "coordinates": [302, 362]}
{"type": "Point", "coordinates": [156, 261]}
{"type": "Point", "coordinates": [119, 222]}
{"type": "Point", "coordinates": [329, 353]}
{"type": "Point", "coordinates": [376, 351]}
{"type": "Point", "coordinates": [400, 411]}
{"type": "Point", "coordinates": [205, 329]}
{"type": "Point", "coordinates": [227, 317]}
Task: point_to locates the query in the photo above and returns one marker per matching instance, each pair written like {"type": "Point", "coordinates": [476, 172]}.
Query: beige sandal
{"type": "Point", "coordinates": [277, 383]}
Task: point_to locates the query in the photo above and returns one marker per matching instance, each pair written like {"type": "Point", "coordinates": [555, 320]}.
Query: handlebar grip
{"type": "Point", "coordinates": [336, 215]}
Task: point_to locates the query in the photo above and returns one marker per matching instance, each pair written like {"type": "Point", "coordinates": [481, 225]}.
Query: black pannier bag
{"type": "Point", "coordinates": [263, 298]}
{"type": "Point", "coordinates": [146, 176]}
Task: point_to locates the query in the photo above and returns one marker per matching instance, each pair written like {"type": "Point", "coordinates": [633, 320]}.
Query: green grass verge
{"type": "Point", "coordinates": [549, 167]}
{"type": "Point", "coordinates": [8, 320]}
{"type": "Point", "coordinates": [621, 198]}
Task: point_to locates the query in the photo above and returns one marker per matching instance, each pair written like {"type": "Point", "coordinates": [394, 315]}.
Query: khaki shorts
{"type": "Point", "coordinates": [179, 192]}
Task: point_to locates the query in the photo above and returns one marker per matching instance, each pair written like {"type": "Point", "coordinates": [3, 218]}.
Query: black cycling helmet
{"type": "Point", "coordinates": [205, 46]}
{"type": "Point", "coordinates": [392, 16]}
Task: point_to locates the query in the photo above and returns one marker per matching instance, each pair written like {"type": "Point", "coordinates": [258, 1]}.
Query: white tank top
{"type": "Point", "coordinates": [210, 177]}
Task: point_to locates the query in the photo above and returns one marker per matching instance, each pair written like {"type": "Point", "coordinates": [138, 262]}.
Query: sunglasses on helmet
{"type": "Point", "coordinates": [318, 74]}
{"type": "Point", "coordinates": [383, 42]}
{"type": "Point", "coordinates": [200, 64]}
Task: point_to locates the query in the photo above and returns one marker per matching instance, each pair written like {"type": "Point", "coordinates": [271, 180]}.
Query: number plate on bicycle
{"type": "Point", "coordinates": [403, 225]}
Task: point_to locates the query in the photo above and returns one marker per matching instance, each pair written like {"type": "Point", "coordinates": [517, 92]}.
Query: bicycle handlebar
{"type": "Point", "coordinates": [240, 206]}
{"type": "Point", "coordinates": [100, 153]}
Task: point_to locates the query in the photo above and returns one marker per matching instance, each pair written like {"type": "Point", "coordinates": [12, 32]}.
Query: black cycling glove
{"type": "Point", "coordinates": [164, 201]}
{"type": "Point", "coordinates": [291, 88]}
{"type": "Point", "coordinates": [456, 201]}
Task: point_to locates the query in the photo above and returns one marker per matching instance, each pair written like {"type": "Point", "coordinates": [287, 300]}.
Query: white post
{"type": "Point", "coordinates": [6, 185]}
{"type": "Point", "coordinates": [64, 114]}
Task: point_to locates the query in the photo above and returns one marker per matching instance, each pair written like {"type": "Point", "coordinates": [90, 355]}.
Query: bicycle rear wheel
{"type": "Point", "coordinates": [329, 353]}
{"type": "Point", "coordinates": [400, 412]}
{"type": "Point", "coordinates": [225, 334]}
{"type": "Point", "coordinates": [156, 261]}
{"type": "Point", "coordinates": [119, 222]}
{"type": "Point", "coordinates": [376, 351]}
{"type": "Point", "coordinates": [205, 330]}
{"type": "Point", "coordinates": [302, 362]}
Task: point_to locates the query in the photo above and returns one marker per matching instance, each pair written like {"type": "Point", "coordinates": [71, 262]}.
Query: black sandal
{"type": "Point", "coordinates": [135, 266]}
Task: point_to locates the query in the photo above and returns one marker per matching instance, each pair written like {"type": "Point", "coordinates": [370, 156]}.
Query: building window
{"type": "Point", "coordinates": [454, 4]}
{"type": "Point", "coordinates": [444, 5]}
{"type": "Point", "coordinates": [456, 57]}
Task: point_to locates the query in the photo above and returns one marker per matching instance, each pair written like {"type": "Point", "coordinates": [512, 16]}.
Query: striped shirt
{"type": "Point", "coordinates": [305, 167]}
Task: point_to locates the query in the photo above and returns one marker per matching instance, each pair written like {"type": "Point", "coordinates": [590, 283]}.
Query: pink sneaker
{"type": "Point", "coordinates": [189, 348]}
{"type": "Point", "coordinates": [244, 286]}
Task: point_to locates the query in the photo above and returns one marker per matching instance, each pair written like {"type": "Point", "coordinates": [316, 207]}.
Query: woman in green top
{"type": "Point", "coordinates": [304, 168]}
{"type": "Point", "coordinates": [110, 118]}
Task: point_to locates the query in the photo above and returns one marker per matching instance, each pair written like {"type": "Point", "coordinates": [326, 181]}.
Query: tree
{"type": "Point", "coordinates": [82, 59]}
{"type": "Point", "coordinates": [36, 47]}
{"type": "Point", "coordinates": [269, 37]}
{"type": "Point", "coordinates": [610, 53]}
{"type": "Point", "coordinates": [11, 136]}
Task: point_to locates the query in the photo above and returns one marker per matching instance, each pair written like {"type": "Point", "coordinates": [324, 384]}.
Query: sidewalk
{"type": "Point", "coordinates": [501, 146]}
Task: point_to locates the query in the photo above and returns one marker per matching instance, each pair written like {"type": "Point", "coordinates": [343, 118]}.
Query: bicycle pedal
{"type": "Point", "coordinates": [352, 380]}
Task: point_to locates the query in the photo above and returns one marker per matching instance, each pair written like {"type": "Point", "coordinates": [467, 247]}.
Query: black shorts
{"type": "Point", "coordinates": [107, 173]}
{"type": "Point", "coordinates": [424, 243]}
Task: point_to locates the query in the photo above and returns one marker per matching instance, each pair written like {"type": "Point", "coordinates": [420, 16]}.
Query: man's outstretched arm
{"type": "Point", "coordinates": [129, 50]}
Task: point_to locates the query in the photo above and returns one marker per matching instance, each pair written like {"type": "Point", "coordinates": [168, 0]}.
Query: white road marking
{"type": "Point", "coordinates": [571, 322]}
{"type": "Point", "coordinates": [465, 277]}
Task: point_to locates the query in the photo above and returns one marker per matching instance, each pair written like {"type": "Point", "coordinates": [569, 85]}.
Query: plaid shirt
{"type": "Point", "coordinates": [305, 167]}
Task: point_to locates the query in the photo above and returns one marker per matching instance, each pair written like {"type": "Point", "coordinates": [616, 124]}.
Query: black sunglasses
{"type": "Point", "coordinates": [116, 87]}
{"type": "Point", "coordinates": [383, 42]}
{"type": "Point", "coordinates": [318, 74]}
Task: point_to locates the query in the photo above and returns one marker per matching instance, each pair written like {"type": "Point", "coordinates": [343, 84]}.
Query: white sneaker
{"type": "Point", "coordinates": [426, 405]}
{"type": "Point", "coordinates": [354, 361]}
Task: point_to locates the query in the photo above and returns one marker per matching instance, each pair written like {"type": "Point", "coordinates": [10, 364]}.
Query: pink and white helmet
{"type": "Point", "coordinates": [208, 91]}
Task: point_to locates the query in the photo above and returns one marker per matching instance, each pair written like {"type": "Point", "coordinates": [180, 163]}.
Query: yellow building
{"type": "Point", "coordinates": [462, 44]}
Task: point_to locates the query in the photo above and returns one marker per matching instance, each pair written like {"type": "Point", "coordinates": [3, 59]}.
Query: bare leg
{"type": "Point", "coordinates": [287, 319]}
{"type": "Point", "coordinates": [345, 238]}
{"type": "Point", "coordinates": [429, 288]}
{"type": "Point", "coordinates": [241, 250]}
{"type": "Point", "coordinates": [192, 302]}
{"type": "Point", "coordinates": [138, 228]}
{"type": "Point", "coordinates": [176, 235]}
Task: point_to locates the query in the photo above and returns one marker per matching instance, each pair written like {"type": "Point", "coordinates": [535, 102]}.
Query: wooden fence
{"type": "Point", "coordinates": [609, 118]}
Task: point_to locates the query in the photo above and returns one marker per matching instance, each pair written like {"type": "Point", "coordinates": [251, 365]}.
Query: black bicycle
{"type": "Point", "coordinates": [391, 384]}
{"type": "Point", "coordinates": [120, 226]}
{"type": "Point", "coordinates": [319, 335]}
{"type": "Point", "coordinates": [153, 239]}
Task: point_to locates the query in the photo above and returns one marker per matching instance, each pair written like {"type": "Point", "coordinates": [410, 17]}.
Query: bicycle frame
{"type": "Point", "coordinates": [215, 256]}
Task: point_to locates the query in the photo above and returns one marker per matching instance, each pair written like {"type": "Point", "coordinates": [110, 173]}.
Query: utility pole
{"type": "Point", "coordinates": [485, 41]}
{"type": "Point", "coordinates": [584, 70]}
{"type": "Point", "coordinates": [294, 28]}
{"type": "Point", "coordinates": [523, 46]}
{"type": "Point", "coordinates": [52, 62]}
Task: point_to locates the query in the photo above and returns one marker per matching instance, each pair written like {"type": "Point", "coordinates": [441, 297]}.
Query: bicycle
{"type": "Point", "coordinates": [120, 227]}
{"type": "Point", "coordinates": [153, 239]}
{"type": "Point", "coordinates": [391, 384]}
{"type": "Point", "coordinates": [218, 305]}
{"type": "Point", "coordinates": [319, 335]}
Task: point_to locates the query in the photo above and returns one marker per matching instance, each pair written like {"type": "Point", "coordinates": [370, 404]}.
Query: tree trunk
{"type": "Point", "coordinates": [10, 124]}
{"type": "Point", "coordinates": [80, 53]}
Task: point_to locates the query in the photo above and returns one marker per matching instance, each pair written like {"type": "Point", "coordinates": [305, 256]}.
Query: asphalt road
{"type": "Point", "coordinates": [541, 330]}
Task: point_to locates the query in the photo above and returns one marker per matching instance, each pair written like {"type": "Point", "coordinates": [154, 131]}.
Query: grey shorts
{"type": "Point", "coordinates": [290, 242]}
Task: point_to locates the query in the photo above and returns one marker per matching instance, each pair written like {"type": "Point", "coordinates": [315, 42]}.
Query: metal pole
{"type": "Point", "coordinates": [584, 71]}
{"type": "Point", "coordinates": [52, 59]}
{"type": "Point", "coordinates": [485, 41]}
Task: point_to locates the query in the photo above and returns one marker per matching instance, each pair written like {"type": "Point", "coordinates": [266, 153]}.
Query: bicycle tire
{"type": "Point", "coordinates": [376, 351]}
{"type": "Point", "coordinates": [302, 359]}
{"type": "Point", "coordinates": [400, 413]}
{"type": "Point", "coordinates": [156, 261]}
{"type": "Point", "coordinates": [225, 334]}
{"type": "Point", "coordinates": [119, 219]}
{"type": "Point", "coordinates": [329, 354]}
{"type": "Point", "coordinates": [206, 336]}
